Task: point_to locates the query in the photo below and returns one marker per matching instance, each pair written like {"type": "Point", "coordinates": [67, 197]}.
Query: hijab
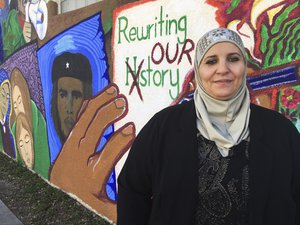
{"type": "Point", "coordinates": [226, 122]}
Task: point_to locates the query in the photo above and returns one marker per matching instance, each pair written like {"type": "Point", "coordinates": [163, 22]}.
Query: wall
{"type": "Point", "coordinates": [76, 88]}
{"type": "Point", "coordinates": [69, 5]}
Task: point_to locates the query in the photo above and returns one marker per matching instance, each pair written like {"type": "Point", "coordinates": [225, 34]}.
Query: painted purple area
{"type": "Point", "coordinates": [25, 59]}
{"type": "Point", "coordinates": [275, 78]}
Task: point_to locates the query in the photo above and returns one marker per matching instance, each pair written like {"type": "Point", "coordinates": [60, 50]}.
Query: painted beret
{"type": "Point", "coordinates": [73, 65]}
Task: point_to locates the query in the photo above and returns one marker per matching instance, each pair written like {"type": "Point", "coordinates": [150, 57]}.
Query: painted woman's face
{"type": "Point", "coordinates": [17, 101]}
{"type": "Point", "coordinates": [21, 6]}
{"type": "Point", "coordinates": [25, 146]}
{"type": "Point", "coordinates": [4, 100]}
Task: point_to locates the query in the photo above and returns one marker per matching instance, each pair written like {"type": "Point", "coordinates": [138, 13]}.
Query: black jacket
{"type": "Point", "coordinates": [158, 184]}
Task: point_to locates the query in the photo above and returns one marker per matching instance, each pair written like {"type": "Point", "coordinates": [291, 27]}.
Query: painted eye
{"type": "Point", "coordinates": [21, 144]}
{"type": "Point", "coordinates": [77, 95]}
{"type": "Point", "coordinates": [27, 139]}
{"type": "Point", "coordinates": [62, 94]}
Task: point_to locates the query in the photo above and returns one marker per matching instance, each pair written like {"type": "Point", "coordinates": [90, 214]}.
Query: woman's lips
{"type": "Point", "coordinates": [223, 81]}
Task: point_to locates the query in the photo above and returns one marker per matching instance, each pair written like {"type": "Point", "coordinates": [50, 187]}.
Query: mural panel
{"type": "Point", "coordinates": [77, 54]}
{"type": "Point", "coordinates": [76, 88]}
{"type": "Point", "coordinates": [153, 55]}
{"type": "Point", "coordinates": [28, 127]}
{"type": "Point", "coordinates": [29, 130]}
{"type": "Point", "coordinates": [74, 68]}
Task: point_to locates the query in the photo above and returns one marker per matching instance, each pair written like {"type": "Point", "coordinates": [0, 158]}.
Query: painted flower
{"type": "Point", "coordinates": [290, 98]}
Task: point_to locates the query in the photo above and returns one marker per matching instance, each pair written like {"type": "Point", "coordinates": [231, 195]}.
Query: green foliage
{"type": "Point", "coordinates": [283, 17]}
{"type": "Point", "coordinates": [279, 44]}
{"type": "Point", "coordinates": [265, 38]}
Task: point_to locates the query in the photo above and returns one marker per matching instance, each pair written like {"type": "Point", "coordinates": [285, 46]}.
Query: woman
{"type": "Point", "coordinates": [217, 159]}
{"type": "Point", "coordinates": [22, 103]}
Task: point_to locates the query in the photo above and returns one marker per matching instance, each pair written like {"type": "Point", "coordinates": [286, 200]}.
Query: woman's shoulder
{"type": "Point", "coordinates": [262, 111]}
{"type": "Point", "coordinates": [269, 117]}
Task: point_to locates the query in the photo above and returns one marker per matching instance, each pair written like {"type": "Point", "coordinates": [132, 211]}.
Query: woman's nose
{"type": "Point", "coordinates": [222, 67]}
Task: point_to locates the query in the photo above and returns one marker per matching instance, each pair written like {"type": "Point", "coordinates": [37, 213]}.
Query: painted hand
{"type": "Point", "coordinates": [79, 169]}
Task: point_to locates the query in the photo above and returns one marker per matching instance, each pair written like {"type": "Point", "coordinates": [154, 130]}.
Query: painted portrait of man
{"type": "Point", "coordinates": [72, 83]}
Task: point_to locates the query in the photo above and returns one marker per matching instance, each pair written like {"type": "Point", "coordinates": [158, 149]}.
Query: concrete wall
{"type": "Point", "coordinates": [76, 88]}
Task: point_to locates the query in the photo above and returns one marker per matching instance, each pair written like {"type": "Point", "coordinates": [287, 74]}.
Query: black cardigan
{"type": "Point", "coordinates": [158, 184]}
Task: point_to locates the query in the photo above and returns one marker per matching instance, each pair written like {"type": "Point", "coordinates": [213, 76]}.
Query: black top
{"type": "Point", "coordinates": [223, 186]}
{"type": "Point", "coordinates": [158, 184]}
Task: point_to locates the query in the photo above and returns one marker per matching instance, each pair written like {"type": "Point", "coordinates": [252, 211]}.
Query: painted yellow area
{"type": "Point", "coordinates": [273, 12]}
{"type": "Point", "coordinates": [260, 6]}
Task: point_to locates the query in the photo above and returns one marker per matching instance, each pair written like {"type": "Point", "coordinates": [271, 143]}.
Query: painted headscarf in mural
{"type": "Point", "coordinates": [6, 139]}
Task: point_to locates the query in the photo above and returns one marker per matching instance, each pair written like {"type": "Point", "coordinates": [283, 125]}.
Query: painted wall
{"type": "Point", "coordinates": [76, 88]}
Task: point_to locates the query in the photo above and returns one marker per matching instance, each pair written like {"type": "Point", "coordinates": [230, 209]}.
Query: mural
{"type": "Point", "coordinates": [270, 31]}
{"type": "Point", "coordinates": [74, 68]}
{"type": "Point", "coordinates": [76, 88]}
{"type": "Point", "coordinates": [7, 142]}
{"type": "Point", "coordinates": [28, 127]}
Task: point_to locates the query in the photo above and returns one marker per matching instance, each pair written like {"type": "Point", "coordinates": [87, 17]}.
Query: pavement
{"type": "Point", "coordinates": [7, 217]}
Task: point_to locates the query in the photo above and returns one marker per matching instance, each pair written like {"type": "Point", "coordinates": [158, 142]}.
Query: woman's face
{"type": "Point", "coordinates": [17, 101]}
{"type": "Point", "coordinates": [221, 70]}
{"type": "Point", "coordinates": [25, 146]}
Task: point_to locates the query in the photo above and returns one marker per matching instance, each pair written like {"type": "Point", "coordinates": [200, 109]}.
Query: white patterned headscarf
{"type": "Point", "coordinates": [223, 121]}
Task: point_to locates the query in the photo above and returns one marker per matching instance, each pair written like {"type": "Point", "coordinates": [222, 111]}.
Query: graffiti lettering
{"type": "Point", "coordinates": [162, 26]}
{"type": "Point", "coordinates": [135, 79]}
{"type": "Point", "coordinates": [158, 50]}
{"type": "Point", "coordinates": [158, 78]}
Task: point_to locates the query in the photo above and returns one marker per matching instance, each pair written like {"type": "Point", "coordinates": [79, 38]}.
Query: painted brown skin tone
{"type": "Point", "coordinates": [17, 101]}
{"type": "Point", "coordinates": [81, 171]}
{"type": "Point", "coordinates": [69, 100]}
{"type": "Point", "coordinates": [2, 4]}
{"type": "Point", "coordinates": [25, 146]}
